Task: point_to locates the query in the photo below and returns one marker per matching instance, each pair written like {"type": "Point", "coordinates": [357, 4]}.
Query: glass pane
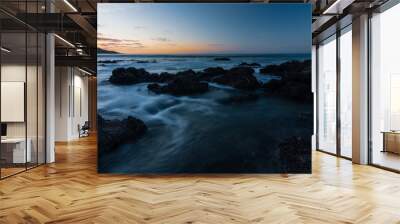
{"type": "Point", "coordinates": [41, 98]}
{"type": "Point", "coordinates": [327, 96]}
{"type": "Point", "coordinates": [31, 98]}
{"type": "Point", "coordinates": [13, 86]}
{"type": "Point", "coordinates": [346, 93]}
{"type": "Point", "coordinates": [385, 89]}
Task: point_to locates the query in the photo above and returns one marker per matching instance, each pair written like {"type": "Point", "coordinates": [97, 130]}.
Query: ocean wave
{"type": "Point", "coordinates": [220, 86]}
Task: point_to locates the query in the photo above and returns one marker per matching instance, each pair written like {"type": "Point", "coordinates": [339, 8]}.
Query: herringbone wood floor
{"type": "Point", "coordinates": [70, 191]}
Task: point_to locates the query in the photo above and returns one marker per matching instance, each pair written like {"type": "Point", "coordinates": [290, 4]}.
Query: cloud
{"type": "Point", "coordinates": [107, 39]}
{"type": "Point", "coordinates": [167, 31]}
{"type": "Point", "coordinates": [215, 45]}
{"type": "Point", "coordinates": [139, 27]}
{"type": "Point", "coordinates": [113, 42]}
{"type": "Point", "coordinates": [161, 39]}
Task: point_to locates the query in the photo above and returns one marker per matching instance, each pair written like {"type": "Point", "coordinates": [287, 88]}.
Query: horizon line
{"type": "Point", "coordinates": [205, 54]}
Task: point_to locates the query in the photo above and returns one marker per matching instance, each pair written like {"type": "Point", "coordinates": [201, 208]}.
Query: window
{"type": "Point", "coordinates": [346, 92]}
{"type": "Point", "coordinates": [385, 89]}
{"type": "Point", "coordinates": [327, 95]}
{"type": "Point", "coordinates": [22, 77]}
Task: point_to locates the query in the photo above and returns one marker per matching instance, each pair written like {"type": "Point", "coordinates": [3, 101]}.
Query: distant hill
{"type": "Point", "coordinates": [102, 51]}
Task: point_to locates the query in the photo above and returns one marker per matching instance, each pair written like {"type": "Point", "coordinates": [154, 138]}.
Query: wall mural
{"type": "Point", "coordinates": [204, 88]}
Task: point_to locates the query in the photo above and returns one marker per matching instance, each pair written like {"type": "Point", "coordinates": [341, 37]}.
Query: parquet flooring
{"type": "Point", "coordinates": [71, 191]}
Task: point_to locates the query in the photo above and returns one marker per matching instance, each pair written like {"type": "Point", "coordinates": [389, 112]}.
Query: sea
{"type": "Point", "coordinates": [198, 133]}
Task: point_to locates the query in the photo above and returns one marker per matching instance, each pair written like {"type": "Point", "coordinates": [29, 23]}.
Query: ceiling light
{"type": "Point", "coordinates": [64, 40]}
{"type": "Point", "coordinates": [70, 5]}
{"type": "Point", "coordinates": [5, 50]}
{"type": "Point", "coordinates": [79, 51]}
{"type": "Point", "coordinates": [337, 7]}
{"type": "Point", "coordinates": [331, 7]}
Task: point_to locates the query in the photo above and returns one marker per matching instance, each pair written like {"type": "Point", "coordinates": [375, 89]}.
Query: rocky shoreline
{"type": "Point", "coordinates": [294, 82]}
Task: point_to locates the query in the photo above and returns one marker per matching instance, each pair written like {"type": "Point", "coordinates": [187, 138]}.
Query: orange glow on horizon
{"type": "Point", "coordinates": [150, 47]}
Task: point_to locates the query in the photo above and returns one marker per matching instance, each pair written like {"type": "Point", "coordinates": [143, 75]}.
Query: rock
{"type": "Point", "coordinates": [165, 76]}
{"type": "Point", "coordinates": [209, 73]}
{"type": "Point", "coordinates": [287, 67]}
{"type": "Point", "coordinates": [222, 59]}
{"type": "Point", "coordinates": [300, 92]}
{"type": "Point", "coordinates": [113, 133]}
{"type": "Point", "coordinates": [154, 87]}
{"type": "Point", "coordinates": [295, 82]}
{"type": "Point", "coordinates": [245, 64]}
{"type": "Point", "coordinates": [271, 69]}
{"type": "Point", "coordinates": [186, 73]}
{"type": "Point", "coordinates": [239, 77]}
{"type": "Point", "coordinates": [145, 61]}
{"type": "Point", "coordinates": [273, 85]}
{"type": "Point", "coordinates": [109, 61]}
{"type": "Point", "coordinates": [296, 87]}
{"type": "Point", "coordinates": [240, 99]}
{"type": "Point", "coordinates": [128, 76]}
{"type": "Point", "coordinates": [214, 71]}
{"type": "Point", "coordinates": [295, 155]}
{"type": "Point", "coordinates": [188, 84]}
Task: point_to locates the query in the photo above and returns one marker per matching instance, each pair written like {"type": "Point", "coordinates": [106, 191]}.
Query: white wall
{"type": "Point", "coordinates": [62, 82]}
{"type": "Point", "coordinates": [33, 126]}
{"type": "Point", "coordinates": [80, 110]}
{"type": "Point", "coordinates": [14, 72]}
{"type": "Point", "coordinates": [71, 102]}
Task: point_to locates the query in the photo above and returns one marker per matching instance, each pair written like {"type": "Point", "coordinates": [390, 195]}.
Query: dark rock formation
{"type": "Point", "coordinates": [209, 73]}
{"type": "Point", "coordinates": [240, 99]}
{"type": "Point", "coordinates": [237, 77]}
{"type": "Point", "coordinates": [109, 61]}
{"type": "Point", "coordinates": [186, 73]}
{"type": "Point", "coordinates": [240, 78]}
{"type": "Point", "coordinates": [273, 85]}
{"type": "Point", "coordinates": [287, 67]}
{"type": "Point", "coordinates": [155, 87]}
{"type": "Point", "coordinates": [128, 76]}
{"type": "Point", "coordinates": [222, 59]}
{"type": "Point", "coordinates": [112, 133]}
{"type": "Point", "coordinates": [245, 64]}
{"type": "Point", "coordinates": [295, 155]}
{"type": "Point", "coordinates": [295, 86]}
{"type": "Point", "coordinates": [145, 61]}
{"type": "Point", "coordinates": [295, 82]}
{"type": "Point", "coordinates": [214, 71]}
{"type": "Point", "coordinates": [184, 83]}
{"type": "Point", "coordinates": [166, 76]}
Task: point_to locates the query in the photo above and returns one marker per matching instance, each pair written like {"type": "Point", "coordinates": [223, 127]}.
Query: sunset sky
{"type": "Point", "coordinates": [155, 28]}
